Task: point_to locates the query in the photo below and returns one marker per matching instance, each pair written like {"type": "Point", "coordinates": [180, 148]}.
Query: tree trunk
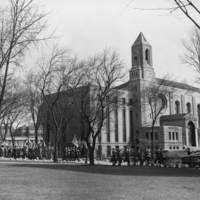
{"type": "Point", "coordinates": [152, 140]}
{"type": "Point", "coordinates": [91, 150]}
{"type": "Point", "coordinates": [63, 146]}
{"type": "Point", "coordinates": [13, 142]}
{"type": "Point", "coordinates": [36, 136]}
{"type": "Point", "coordinates": [91, 156]}
{"type": "Point", "coordinates": [55, 150]}
{"type": "Point", "coordinates": [55, 154]}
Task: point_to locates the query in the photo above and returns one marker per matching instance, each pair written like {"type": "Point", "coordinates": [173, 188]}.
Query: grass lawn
{"type": "Point", "coordinates": [26, 181]}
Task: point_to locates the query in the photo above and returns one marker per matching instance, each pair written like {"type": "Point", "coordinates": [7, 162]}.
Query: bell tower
{"type": "Point", "coordinates": [142, 75]}
{"type": "Point", "coordinates": [142, 65]}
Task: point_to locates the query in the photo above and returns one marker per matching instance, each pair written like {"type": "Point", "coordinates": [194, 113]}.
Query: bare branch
{"type": "Point", "coordinates": [20, 26]}
{"type": "Point", "coordinates": [192, 47]}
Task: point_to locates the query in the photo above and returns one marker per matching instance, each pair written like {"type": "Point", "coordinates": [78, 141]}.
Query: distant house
{"type": "Point", "coordinates": [24, 134]}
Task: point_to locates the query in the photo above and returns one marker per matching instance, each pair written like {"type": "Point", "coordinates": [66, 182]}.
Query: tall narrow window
{"type": "Point", "coordinates": [173, 136]}
{"type": "Point", "coordinates": [124, 124]}
{"type": "Point", "coordinates": [188, 105]}
{"type": "Point", "coordinates": [177, 107]}
{"type": "Point", "coordinates": [116, 120]}
{"type": "Point", "coordinates": [131, 124]}
{"type": "Point", "coordinates": [135, 60]}
{"type": "Point", "coordinates": [124, 119]}
{"type": "Point", "coordinates": [108, 123]}
{"type": "Point", "coordinates": [176, 135]}
{"type": "Point", "coordinates": [198, 113]}
{"type": "Point", "coordinates": [170, 136]}
{"type": "Point", "coordinates": [147, 56]}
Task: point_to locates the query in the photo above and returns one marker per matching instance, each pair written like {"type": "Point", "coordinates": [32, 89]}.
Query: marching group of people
{"type": "Point", "coordinates": [73, 153]}
{"type": "Point", "coordinates": [40, 151]}
{"type": "Point", "coordinates": [28, 150]}
{"type": "Point", "coordinates": [137, 158]}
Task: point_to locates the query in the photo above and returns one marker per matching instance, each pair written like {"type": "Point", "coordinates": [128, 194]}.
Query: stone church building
{"type": "Point", "coordinates": [129, 124]}
{"type": "Point", "coordinates": [177, 126]}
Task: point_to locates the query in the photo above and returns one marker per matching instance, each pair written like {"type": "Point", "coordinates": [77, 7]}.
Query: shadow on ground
{"type": "Point", "coordinates": [119, 171]}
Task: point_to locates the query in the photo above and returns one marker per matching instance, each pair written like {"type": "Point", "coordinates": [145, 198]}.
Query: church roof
{"type": "Point", "coordinates": [165, 83]}
{"type": "Point", "coordinates": [177, 85]}
{"type": "Point", "coordinates": [140, 39]}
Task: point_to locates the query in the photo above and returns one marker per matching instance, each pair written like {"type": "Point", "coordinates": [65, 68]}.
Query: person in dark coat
{"type": "Point", "coordinates": [113, 157]}
{"type": "Point", "coordinates": [127, 156]}
{"type": "Point", "coordinates": [148, 156]}
{"type": "Point", "coordinates": [118, 155]}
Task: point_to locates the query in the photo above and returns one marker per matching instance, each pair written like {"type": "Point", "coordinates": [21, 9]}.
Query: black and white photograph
{"type": "Point", "coordinates": [99, 100]}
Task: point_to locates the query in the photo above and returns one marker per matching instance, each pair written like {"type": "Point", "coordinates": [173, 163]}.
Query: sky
{"type": "Point", "coordinates": [90, 26]}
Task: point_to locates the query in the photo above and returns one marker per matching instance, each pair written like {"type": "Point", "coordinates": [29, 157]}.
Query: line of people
{"type": "Point", "coordinates": [137, 158]}
{"type": "Point", "coordinates": [36, 152]}
{"type": "Point", "coordinates": [72, 153]}
{"type": "Point", "coordinates": [39, 152]}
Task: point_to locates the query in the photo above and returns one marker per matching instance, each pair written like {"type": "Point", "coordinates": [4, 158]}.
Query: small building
{"type": "Point", "coordinates": [23, 135]}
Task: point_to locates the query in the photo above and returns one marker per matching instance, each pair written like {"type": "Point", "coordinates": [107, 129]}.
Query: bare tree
{"type": "Point", "coordinates": [20, 26]}
{"type": "Point", "coordinates": [102, 72]}
{"type": "Point", "coordinates": [190, 10]}
{"type": "Point", "coordinates": [13, 109]}
{"type": "Point", "coordinates": [15, 119]}
{"type": "Point", "coordinates": [34, 99]}
{"type": "Point", "coordinates": [14, 98]}
{"type": "Point", "coordinates": [155, 97]}
{"type": "Point", "coordinates": [192, 47]}
{"type": "Point", "coordinates": [59, 73]}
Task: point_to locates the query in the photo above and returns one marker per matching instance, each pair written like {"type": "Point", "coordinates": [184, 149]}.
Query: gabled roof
{"type": "Point", "coordinates": [177, 85]}
{"type": "Point", "coordinates": [164, 82]}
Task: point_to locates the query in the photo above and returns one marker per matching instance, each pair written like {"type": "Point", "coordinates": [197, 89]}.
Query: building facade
{"type": "Point", "coordinates": [176, 127]}
{"type": "Point", "coordinates": [129, 124]}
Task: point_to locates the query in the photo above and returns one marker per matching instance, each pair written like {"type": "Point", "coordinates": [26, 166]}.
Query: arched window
{"type": "Point", "coordinates": [191, 134]}
{"type": "Point", "coordinates": [177, 107]}
{"type": "Point", "coordinates": [135, 60]}
{"type": "Point", "coordinates": [188, 105]}
{"type": "Point", "coordinates": [147, 55]}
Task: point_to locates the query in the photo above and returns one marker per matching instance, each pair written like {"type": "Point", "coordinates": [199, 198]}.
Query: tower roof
{"type": "Point", "coordinates": [141, 40]}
